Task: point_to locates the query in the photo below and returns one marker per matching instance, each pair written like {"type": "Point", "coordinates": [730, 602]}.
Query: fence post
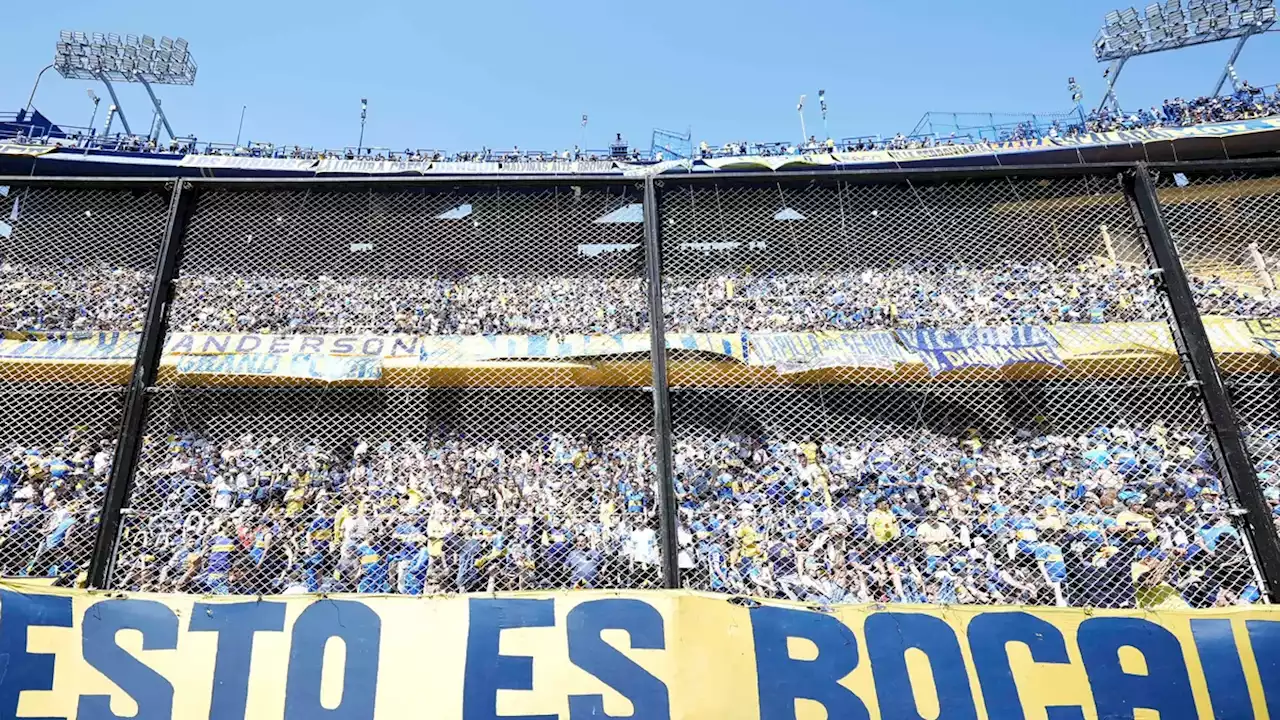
{"type": "Point", "coordinates": [150, 346]}
{"type": "Point", "coordinates": [667, 537]}
{"type": "Point", "coordinates": [1199, 356]}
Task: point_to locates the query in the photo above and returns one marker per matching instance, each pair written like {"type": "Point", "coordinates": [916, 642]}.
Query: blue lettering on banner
{"type": "Point", "coordinates": [782, 679]}
{"type": "Point", "coordinates": [1223, 671]}
{"type": "Point", "coordinates": [826, 652]}
{"type": "Point", "coordinates": [488, 671]}
{"type": "Point", "coordinates": [947, 350]}
{"type": "Point", "coordinates": [300, 365]}
{"type": "Point", "coordinates": [1164, 686]}
{"type": "Point", "coordinates": [1264, 638]}
{"type": "Point", "coordinates": [889, 636]}
{"type": "Point", "coordinates": [148, 688]}
{"type": "Point", "coordinates": [360, 629]}
{"type": "Point", "coordinates": [799, 352]}
{"type": "Point", "coordinates": [989, 635]}
{"type": "Point", "coordinates": [236, 624]}
{"type": "Point", "coordinates": [587, 650]}
{"type": "Point", "coordinates": [21, 670]}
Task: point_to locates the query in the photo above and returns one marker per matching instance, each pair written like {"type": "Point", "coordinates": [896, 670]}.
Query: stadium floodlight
{"type": "Point", "coordinates": [107, 57]}
{"type": "Point", "coordinates": [156, 64]}
{"type": "Point", "coordinates": [1171, 26]}
{"type": "Point", "coordinates": [1125, 33]}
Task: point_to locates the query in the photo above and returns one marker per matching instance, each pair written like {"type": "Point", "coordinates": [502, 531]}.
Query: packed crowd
{"type": "Point", "coordinates": [94, 298]}
{"type": "Point", "coordinates": [1246, 103]}
{"type": "Point", "coordinates": [83, 296]}
{"type": "Point", "coordinates": [192, 146]}
{"type": "Point", "coordinates": [1112, 517]}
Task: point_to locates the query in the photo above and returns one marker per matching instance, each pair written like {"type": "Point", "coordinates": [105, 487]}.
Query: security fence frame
{"type": "Point", "coordinates": [149, 385]}
{"type": "Point", "coordinates": [99, 233]}
{"type": "Point", "coordinates": [1224, 223]}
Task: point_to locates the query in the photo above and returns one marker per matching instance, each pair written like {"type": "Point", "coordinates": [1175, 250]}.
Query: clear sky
{"type": "Point", "coordinates": [462, 75]}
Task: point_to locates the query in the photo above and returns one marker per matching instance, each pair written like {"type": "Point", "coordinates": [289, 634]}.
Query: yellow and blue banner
{"type": "Point", "coordinates": [596, 654]}
{"type": "Point", "coordinates": [986, 347]}
{"type": "Point", "coordinates": [938, 350]}
{"type": "Point", "coordinates": [791, 352]}
{"type": "Point", "coordinates": [307, 366]}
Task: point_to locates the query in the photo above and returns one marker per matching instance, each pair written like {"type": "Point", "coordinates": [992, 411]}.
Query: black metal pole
{"type": "Point", "coordinates": [1199, 356]}
{"type": "Point", "coordinates": [667, 540]}
{"type": "Point", "coordinates": [150, 345]}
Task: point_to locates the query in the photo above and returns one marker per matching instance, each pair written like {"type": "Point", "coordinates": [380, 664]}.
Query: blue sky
{"type": "Point", "coordinates": [462, 75]}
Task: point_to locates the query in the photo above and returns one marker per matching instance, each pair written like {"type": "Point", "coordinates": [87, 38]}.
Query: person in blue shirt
{"type": "Point", "coordinates": [319, 561]}
{"type": "Point", "coordinates": [473, 549]}
{"type": "Point", "coordinates": [583, 563]}
{"type": "Point", "coordinates": [373, 563]}
{"type": "Point", "coordinates": [415, 567]}
{"type": "Point", "coordinates": [219, 556]}
{"type": "Point", "coordinates": [711, 551]}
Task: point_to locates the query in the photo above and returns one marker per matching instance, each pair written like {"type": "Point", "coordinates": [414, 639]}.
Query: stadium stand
{"type": "Point", "coordinates": [1093, 480]}
{"type": "Point", "coordinates": [1246, 102]}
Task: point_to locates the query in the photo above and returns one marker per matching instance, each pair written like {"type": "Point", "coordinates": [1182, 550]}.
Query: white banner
{"type": "Point", "coordinates": [371, 167]}
{"type": "Point", "coordinates": [540, 167]}
{"type": "Point", "coordinates": [245, 162]}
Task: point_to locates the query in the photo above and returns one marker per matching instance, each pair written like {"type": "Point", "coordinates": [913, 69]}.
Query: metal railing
{"type": "Point", "coordinates": [1225, 221]}
{"type": "Point", "coordinates": [951, 386]}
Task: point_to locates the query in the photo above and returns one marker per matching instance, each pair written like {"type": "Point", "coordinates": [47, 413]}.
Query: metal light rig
{"type": "Point", "coordinates": [1171, 26]}
{"type": "Point", "coordinates": [107, 57]}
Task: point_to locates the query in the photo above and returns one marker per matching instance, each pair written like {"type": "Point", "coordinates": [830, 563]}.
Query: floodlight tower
{"type": "Point", "coordinates": [129, 59]}
{"type": "Point", "coordinates": [1125, 34]}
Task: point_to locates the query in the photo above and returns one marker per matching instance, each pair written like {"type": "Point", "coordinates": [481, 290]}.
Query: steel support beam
{"type": "Point", "coordinates": [156, 102]}
{"type": "Point", "coordinates": [1198, 355]}
{"type": "Point", "coordinates": [146, 363]}
{"type": "Point", "coordinates": [1226, 69]}
{"type": "Point", "coordinates": [667, 521]}
{"type": "Point", "coordinates": [111, 90]}
{"type": "Point", "coordinates": [1112, 77]}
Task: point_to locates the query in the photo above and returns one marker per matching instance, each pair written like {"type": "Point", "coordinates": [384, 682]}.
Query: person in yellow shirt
{"type": "Point", "coordinates": [882, 525]}
{"type": "Point", "coordinates": [1135, 524]}
{"type": "Point", "coordinates": [1152, 589]}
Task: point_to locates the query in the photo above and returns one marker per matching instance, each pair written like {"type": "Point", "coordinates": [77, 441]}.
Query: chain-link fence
{"type": "Point", "coordinates": [76, 268]}
{"type": "Point", "coordinates": [931, 391]}
{"type": "Point", "coordinates": [1227, 229]}
{"type": "Point", "coordinates": [401, 389]}
{"type": "Point", "coordinates": [921, 389]}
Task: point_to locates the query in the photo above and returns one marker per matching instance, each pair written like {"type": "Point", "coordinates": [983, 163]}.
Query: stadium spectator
{"type": "Point", "coordinates": [92, 298]}
{"type": "Point", "coordinates": [1028, 518]}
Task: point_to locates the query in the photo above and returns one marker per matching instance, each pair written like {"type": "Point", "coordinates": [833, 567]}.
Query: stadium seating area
{"type": "Point", "coordinates": [917, 517]}
{"type": "Point", "coordinates": [1245, 103]}
{"type": "Point", "coordinates": [92, 298]}
{"type": "Point", "coordinates": [982, 487]}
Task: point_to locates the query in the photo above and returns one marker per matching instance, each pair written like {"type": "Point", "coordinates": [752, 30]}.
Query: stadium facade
{"type": "Point", "coordinates": [1037, 385]}
{"type": "Point", "coordinates": [884, 371]}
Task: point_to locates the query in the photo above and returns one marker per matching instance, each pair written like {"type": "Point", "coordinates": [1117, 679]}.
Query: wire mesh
{"type": "Point", "coordinates": [1226, 226]}
{"type": "Point", "coordinates": [76, 265]}
{"type": "Point", "coordinates": [398, 390]}
{"type": "Point", "coordinates": [955, 392]}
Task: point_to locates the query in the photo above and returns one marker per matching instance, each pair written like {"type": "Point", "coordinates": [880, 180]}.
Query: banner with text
{"type": "Point", "coordinates": [590, 654]}
{"type": "Point", "coordinates": [307, 366]}
{"type": "Point", "coordinates": [801, 352]}
{"type": "Point", "coordinates": [997, 347]}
